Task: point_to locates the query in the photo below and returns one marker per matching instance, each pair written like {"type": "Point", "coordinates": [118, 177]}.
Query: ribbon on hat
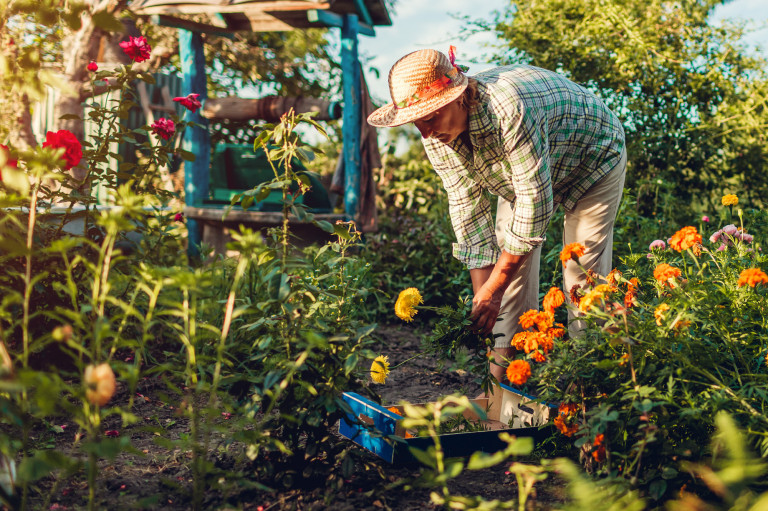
{"type": "Point", "coordinates": [436, 86]}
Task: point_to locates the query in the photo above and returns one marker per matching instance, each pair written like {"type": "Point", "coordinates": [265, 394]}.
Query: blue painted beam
{"type": "Point", "coordinates": [362, 10]}
{"type": "Point", "coordinates": [197, 139]}
{"type": "Point", "coordinates": [332, 19]}
{"type": "Point", "coordinates": [350, 130]}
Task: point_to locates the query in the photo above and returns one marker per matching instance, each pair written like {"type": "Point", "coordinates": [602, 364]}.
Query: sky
{"type": "Point", "coordinates": [418, 24]}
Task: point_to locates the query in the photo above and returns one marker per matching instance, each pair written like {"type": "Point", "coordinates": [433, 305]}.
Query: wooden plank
{"type": "Point", "coordinates": [164, 20]}
{"type": "Point", "coordinates": [216, 214]}
{"type": "Point", "coordinates": [211, 8]}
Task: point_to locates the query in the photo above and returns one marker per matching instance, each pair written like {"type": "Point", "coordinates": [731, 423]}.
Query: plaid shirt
{"type": "Point", "coordinates": [538, 140]}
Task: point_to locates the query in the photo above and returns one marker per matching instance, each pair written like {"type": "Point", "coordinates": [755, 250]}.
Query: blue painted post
{"type": "Point", "coordinates": [350, 72]}
{"type": "Point", "coordinates": [197, 140]}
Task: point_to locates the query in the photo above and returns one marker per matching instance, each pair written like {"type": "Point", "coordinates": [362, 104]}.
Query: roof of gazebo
{"type": "Point", "coordinates": [269, 15]}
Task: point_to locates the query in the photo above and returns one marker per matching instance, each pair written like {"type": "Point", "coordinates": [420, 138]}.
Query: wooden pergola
{"type": "Point", "coordinates": [353, 17]}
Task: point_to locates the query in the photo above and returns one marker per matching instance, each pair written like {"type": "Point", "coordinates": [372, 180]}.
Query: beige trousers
{"type": "Point", "coordinates": [589, 223]}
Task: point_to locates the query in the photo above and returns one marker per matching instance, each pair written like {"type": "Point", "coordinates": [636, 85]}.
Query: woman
{"type": "Point", "coordinates": [535, 140]}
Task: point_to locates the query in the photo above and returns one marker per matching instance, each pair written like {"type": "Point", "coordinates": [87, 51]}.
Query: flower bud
{"type": "Point", "coordinates": [62, 333]}
{"type": "Point", "coordinates": [99, 384]}
{"type": "Point", "coordinates": [92, 66]}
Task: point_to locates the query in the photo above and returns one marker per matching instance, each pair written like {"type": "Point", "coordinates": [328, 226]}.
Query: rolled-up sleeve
{"type": "Point", "coordinates": [470, 211]}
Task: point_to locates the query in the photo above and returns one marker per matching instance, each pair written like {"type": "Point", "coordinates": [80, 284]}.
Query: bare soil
{"type": "Point", "coordinates": [158, 476]}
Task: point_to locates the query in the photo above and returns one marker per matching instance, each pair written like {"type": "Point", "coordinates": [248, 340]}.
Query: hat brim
{"type": "Point", "coordinates": [389, 116]}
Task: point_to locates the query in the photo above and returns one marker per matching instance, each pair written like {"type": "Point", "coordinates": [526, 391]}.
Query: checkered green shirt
{"type": "Point", "coordinates": [538, 140]}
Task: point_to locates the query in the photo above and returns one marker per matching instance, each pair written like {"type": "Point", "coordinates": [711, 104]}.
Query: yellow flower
{"type": "Point", "coordinates": [405, 307]}
{"type": "Point", "coordinates": [660, 312]}
{"type": "Point", "coordinates": [594, 296]}
{"type": "Point", "coordinates": [99, 384]}
{"type": "Point", "coordinates": [380, 369]}
{"type": "Point", "coordinates": [730, 200]}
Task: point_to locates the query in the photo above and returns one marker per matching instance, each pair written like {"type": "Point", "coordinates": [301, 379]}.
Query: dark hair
{"type": "Point", "coordinates": [470, 97]}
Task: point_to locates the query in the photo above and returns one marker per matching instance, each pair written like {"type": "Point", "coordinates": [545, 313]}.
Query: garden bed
{"type": "Point", "coordinates": [155, 477]}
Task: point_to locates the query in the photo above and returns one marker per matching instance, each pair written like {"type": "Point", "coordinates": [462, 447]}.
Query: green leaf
{"type": "Point", "coordinates": [68, 117]}
{"type": "Point", "coordinates": [425, 457]}
{"type": "Point", "coordinates": [15, 180]}
{"type": "Point", "coordinates": [107, 22]}
{"type": "Point", "coordinates": [187, 155]}
{"type": "Point", "coordinates": [350, 364]}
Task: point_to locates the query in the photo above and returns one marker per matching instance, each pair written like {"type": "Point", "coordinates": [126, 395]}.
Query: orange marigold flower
{"type": "Point", "coordinates": [598, 452]}
{"type": "Point", "coordinates": [572, 251]}
{"type": "Point", "coordinates": [613, 276]}
{"type": "Point", "coordinates": [566, 419]}
{"type": "Point", "coordinates": [518, 372]}
{"type": "Point", "coordinates": [730, 200]}
{"type": "Point", "coordinates": [591, 277]}
{"type": "Point", "coordinates": [629, 299]}
{"type": "Point", "coordinates": [529, 318]}
{"type": "Point", "coordinates": [544, 320]}
{"type": "Point", "coordinates": [664, 273]}
{"type": "Point", "coordinates": [624, 359]}
{"type": "Point", "coordinates": [519, 340]}
{"type": "Point", "coordinates": [685, 238]}
{"type": "Point", "coordinates": [633, 284]}
{"type": "Point", "coordinates": [752, 277]}
{"type": "Point", "coordinates": [659, 313]}
{"type": "Point", "coordinates": [539, 356]}
{"type": "Point", "coordinates": [553, 299]}
{"type": "Point", "coordinates": [557, 331]}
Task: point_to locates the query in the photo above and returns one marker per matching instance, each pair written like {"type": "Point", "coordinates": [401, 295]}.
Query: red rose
{"type": "Point", "coordinates": [73, 152]}
{"type": "Point", "coordinates": [7, 157]}
{"type": "Point", "coordinates": [190, 102]}
{"type": "Point", "coordinates": [137, 48]}
{"type": "Point", "coordinates": [92, 66]}
{"type": "Point", "coordinates": [163, 128]}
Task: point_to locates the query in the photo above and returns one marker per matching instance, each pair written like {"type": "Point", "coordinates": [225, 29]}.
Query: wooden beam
{"type": "Point", "coordinates": [197, 139]}
{"type": "Point", "coordinates": [350, 129]}
{"type": "Point", "coordinates": [249, 7]}
{"type": "Point", "coordinates": [332, 19]}
{"type": "Point", "coordinates": [362, 10]}
{"type": "Point", "coordinates": [164, 20]}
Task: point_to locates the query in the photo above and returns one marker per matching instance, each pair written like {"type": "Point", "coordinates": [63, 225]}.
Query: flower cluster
{"type": "Point", "coordinates": [539, 342]}
{"type": "Point", "coordinates": [405, 307]}
{"type": "Point", "coordinates": [728, 235]}
{"type": "Point", "coordinates": [595, 296]}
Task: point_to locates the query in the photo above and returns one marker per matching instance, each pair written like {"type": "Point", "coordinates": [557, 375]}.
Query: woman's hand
{"type": "Point", "coordinates": [489, 285]}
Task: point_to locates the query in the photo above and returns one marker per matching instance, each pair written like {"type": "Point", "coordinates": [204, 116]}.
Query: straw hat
{"type": "Point", "coordinates": [420, 83]}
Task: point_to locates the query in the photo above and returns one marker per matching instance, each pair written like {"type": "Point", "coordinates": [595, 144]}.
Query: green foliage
{"type": "Point", "coordinates": [653, 372]}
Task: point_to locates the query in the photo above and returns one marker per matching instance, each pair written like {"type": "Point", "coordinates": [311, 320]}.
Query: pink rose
{"type": "Point", "coordinates": [92, 66]}
{"type": "Point", "coordinates": [705, 218]}
{"type": "Point", "coordinates": [137, 48]}
{"type": "Point", "coordinates": [164, 128]}
{"type": "Point", "coordinates": [73, 151]}
{"type": "Point", "coordinates": [190, 102]}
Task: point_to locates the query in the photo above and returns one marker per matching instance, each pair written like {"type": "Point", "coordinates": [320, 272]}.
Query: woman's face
{"type": "Point", "coordinates": [444, 124]}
